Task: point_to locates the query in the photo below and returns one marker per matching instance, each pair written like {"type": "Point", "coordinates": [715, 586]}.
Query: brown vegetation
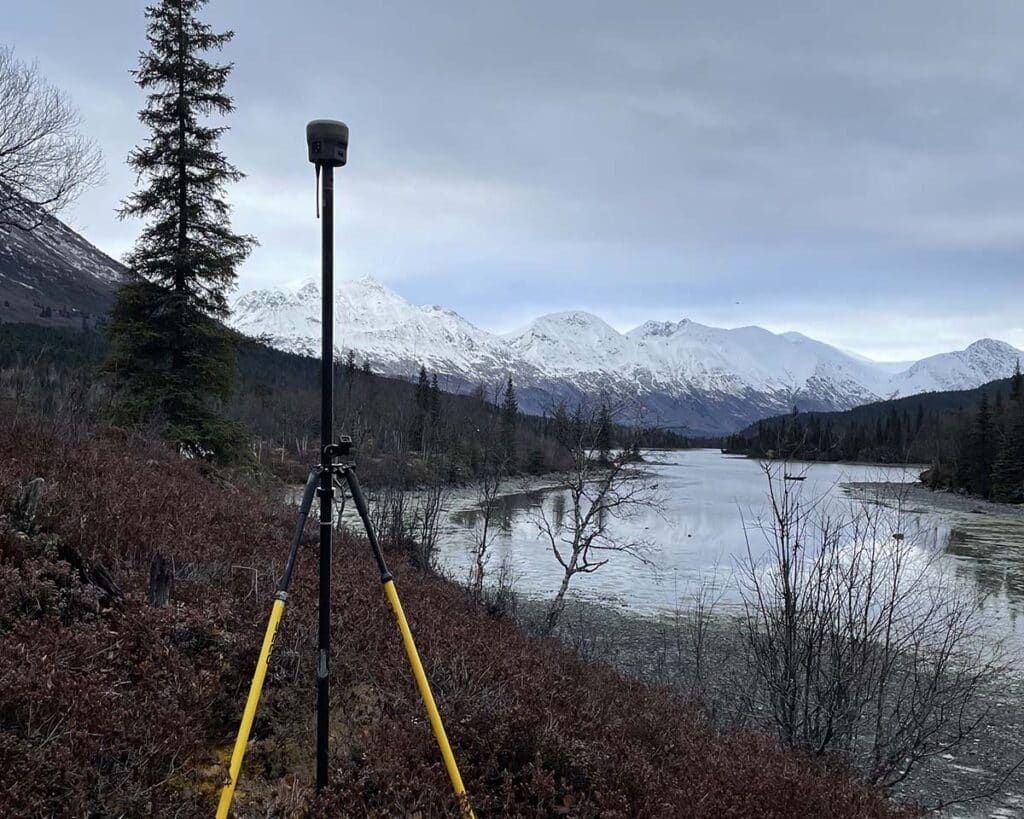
{"type": "Point", "coordinates": [109, 705]}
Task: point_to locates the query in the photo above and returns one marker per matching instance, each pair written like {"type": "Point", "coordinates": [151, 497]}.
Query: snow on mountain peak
{"type": "Point", "coordinates": [378, 324]}
{"type": "Point", "coordinates": [985, 360]}
{"type": "Point", "coordinates": [653, 328]}
{"type": "Point", "coordinates": [708, 378]}
{"type": "Point", "coordinates": [570, 342]}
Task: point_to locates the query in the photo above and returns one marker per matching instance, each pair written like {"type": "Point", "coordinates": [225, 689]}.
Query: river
{"type": "Point", "coordinates": [708, 503]}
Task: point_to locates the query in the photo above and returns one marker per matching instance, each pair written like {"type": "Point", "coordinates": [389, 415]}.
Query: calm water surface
{"type": "Point", "coordinates": [709, 502]}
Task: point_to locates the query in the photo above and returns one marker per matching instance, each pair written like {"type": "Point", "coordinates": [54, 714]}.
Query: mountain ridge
{"type": "Point", "coordinates": [681, 374]}
{"type": "Point", "coordinates": [54, 276]}
{"type": "Point", "coordinates": [707, 380]}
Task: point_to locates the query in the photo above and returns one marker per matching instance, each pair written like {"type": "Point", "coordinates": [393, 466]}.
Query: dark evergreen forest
{"type": "Point", "coordinates": [971, 440]}
{"type": "Point", "coordinates": [408, 429]}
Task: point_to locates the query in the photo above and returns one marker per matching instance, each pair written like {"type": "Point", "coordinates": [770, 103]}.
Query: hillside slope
{"type": "Point", "coordinates": [924, 428]}
{"type": "Point", "coordinates": [112, 706]}
{"type": "Point", "coordinates": [54, 276]}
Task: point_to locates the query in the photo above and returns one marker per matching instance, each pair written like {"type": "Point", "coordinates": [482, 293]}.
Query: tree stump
{"type": "Point", "coordinates": [161, 576]}
{"type": "Point", "coordinates": [25, 504]}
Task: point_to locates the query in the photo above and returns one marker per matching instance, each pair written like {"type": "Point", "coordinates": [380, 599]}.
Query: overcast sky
{"type": "Point", "coordinates": [854, 171]}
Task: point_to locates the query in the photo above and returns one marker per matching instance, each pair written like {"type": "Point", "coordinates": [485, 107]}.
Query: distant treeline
{"type": "Point", "coordinates": [972, 439]}
{"type": "Point", "coordinates": [409, 432]}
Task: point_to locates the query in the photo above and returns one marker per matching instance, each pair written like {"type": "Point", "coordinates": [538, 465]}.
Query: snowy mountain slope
{"type": "Point", "coordinates": [51, 275]}
{"type": "Point", "coordinates": [984, 360]}
{"type": "Point", "coordinates": [379, 325]}
{"type": "Point", "coordinates": [705, 379]}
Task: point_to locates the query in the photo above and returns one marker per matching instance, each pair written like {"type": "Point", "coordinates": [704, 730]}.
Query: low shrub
{"type": "Point", "coordinates": [112, 706]}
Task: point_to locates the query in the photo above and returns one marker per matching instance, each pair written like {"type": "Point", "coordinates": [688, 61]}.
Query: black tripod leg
{"type": "Point", "coordinates": [304, 507]}
{"type": "Point", "coordinates": [364, 514]}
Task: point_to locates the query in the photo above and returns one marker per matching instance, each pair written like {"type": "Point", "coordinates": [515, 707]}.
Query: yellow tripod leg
{"type": "Point", "coordinates": [255, 689]}
{"type": "Point", "coordinates": [428, 700]}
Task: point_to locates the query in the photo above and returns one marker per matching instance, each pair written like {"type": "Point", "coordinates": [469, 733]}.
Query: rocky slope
{"type": "Point", "coordinates": [52, 275]}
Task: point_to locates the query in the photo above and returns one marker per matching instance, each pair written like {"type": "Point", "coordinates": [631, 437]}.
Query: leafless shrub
{"type": "Point", "coordinates": [389, 514]}
{"type": "Point", "coordinates": [861, 646]}
{"type": "Point", "coordinates": [45, 162]}
{"type": "Point", "coordinates": [488, 493]}
{"type": "Point", "coordinates": [692, 629]}
{"type": "Point", "coordinates": [500, 598]}
{"type": "Point", "coordinates": [427, 513]}
{"type": "Point", "coordinates": [601, 486]}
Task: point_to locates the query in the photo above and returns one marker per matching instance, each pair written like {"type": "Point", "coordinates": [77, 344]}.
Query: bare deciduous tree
{"type": "Point", "coordinates": [494, 470]}
{"type": "Point", "coordinates": [428, 512]}
{"type": "Point", "coordinates": [45, 162]}
{"type": "Point", "coordinates": [486, 530]}
{"type": "Point", "coordinates": [598, 492]}
{"type": "Point", "coordinates": [862, 647]}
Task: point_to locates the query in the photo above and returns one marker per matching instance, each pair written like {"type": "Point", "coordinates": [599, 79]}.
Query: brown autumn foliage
{"type": "Point", "coordinates": [111, 706]}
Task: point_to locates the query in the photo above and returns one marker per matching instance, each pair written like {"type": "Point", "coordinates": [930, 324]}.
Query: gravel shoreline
{"type": "Point", "coordinates": [917, 497]}
{"type": "Point", "coordinates": [664, 652]}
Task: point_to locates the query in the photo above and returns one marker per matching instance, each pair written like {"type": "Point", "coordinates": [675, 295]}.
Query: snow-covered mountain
{"type": "Point", "coordinates": [704, 379]}
{"type": "Point", "coordinates": [52, 275]}
{"type": "Point", "coordinates": [380, 326]}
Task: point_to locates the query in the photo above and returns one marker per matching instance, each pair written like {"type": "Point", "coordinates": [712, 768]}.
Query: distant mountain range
{"type": "Point", "coordinates": [705, 380]}
{"type": "Point", "coordinates": [699, 379]}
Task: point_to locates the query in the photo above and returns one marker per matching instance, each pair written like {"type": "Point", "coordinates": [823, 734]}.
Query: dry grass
{"type": "Point", "coordinates": [119, 708]}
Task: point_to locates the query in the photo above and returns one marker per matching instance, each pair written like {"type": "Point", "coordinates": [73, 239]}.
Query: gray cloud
{"type": "Point", "coordinates": [849, 170]}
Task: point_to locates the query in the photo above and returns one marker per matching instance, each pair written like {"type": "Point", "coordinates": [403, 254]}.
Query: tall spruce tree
{"type": "Point", "coordinates": [171, 358]}
{"type": "Point", "coordinates": [1008, 469]}
{"type": "Point", "coordinates": [983, 446]}
{"type": "Point", "coordinates": [419, 421]}
{"type": "Point", "coordinates": [561, 426]}
{"type": "Point", "coordinates": [509, 417]}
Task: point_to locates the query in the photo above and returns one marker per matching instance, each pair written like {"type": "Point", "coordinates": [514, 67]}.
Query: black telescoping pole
{"type": "Point", "coordinates": [326, 476]}
{"type": "Point", "coordinates": [327, 140]}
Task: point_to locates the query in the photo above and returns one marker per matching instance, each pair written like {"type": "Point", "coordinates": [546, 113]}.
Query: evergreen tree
{"type": "Point", "coordinates": [1017, 386]}
{"type": "Point", "coordinates": [171, 358]}
{"type": "Point", "coordinates": [1008, 469]}
{"type": "Point", "coordinates": [603, 442]}
{"type": "Point", "coordinates": [560, 425]}
{"type": "Point", "coordinates": [435, 398]}
{"type": "Point", "coordinates": [350, 365]}
{"type": "Point", "coordinates": [422, 398]}
{"type": "Point", "coordinates": [509, 416]}
{"type": "Point", "coordinates": [423, 391]}
{"type": "Point", "coordinates": [981, 454]}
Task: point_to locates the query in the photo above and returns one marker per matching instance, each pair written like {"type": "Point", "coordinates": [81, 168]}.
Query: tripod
{"type": "Point", "coordinates": [328, 147]}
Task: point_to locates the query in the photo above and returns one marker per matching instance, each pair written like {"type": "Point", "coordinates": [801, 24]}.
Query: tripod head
{"type": "Point", "coordinates": [328, 142]}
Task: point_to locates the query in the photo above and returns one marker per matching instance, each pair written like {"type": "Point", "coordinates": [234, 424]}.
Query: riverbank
{"type": "Point", "coordinates": [706, 659]}
{"type": "Point", "coordinates": [916, 497]}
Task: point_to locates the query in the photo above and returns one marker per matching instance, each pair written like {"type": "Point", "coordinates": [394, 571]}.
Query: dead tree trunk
{"type": "Point", "coordinates": [161, 576]}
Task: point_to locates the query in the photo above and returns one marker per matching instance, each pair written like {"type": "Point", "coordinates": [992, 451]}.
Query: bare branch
{"type": "Point", "coordinates": [45, 162]}
{"type": "Point", "coordinates": [601, 487]}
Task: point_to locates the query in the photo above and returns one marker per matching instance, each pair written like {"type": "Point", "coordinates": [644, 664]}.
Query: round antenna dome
{"type": "Point", "coordinates": [328, 142]}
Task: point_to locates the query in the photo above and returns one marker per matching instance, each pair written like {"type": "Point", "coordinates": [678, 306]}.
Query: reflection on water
{"type": "Point", "coordinates": [989, 552]}
{"type": "Point", "coordinates": [698, 532]}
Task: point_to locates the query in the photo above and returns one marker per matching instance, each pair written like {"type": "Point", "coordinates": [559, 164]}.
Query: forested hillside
{"type": "Point", "coordinates": [972, 440]}
{"type": "Point", "coordinates": [410, 433]}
